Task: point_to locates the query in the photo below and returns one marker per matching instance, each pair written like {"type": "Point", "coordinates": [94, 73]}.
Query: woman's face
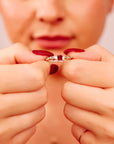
{"type": "Point", "coordinates": [55, 24]}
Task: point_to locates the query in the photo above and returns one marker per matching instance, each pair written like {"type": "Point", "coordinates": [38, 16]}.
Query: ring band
{"type": "Point", "coordinates": [82, 135]}
{"type": "Point", "coordinates": [58, 58]}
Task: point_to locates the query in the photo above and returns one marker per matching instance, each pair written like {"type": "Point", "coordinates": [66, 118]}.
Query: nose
{"type": "Point", "coordinates": [50, 12]}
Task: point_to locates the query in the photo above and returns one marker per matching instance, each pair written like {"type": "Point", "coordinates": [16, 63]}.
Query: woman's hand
{"type": "Point", "coordinates": [22, 93]}
{"type": "Point", "coordinates": [89, 95]}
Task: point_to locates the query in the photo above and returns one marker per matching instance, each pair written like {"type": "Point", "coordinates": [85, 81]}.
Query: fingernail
{"type": "Point", "coordinates": [42, 53]}
{"type": "Point", "coordinates": [73, 50]}
{"type": "Point", "coordinates": [53, 68]}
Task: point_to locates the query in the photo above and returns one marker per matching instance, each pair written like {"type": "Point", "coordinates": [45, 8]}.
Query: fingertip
{"type": "Point", "coordinates": [87, 55]}
{"type": "Point", "coordinates": [76, 50]}
{"type": "Point", "coordinates": [28, 57]}
{"type": "Point", "coordinates": [42, 53]}
{"type": "Point", "coordinates": [90, 53]}
{"type": "Point", "coordinates": [53, 68]}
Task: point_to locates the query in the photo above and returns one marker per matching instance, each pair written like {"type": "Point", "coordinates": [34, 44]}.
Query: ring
{"type": "Point", "coordinates": [58, 58]}
{"type": "Point", "coordinates": [82, 135]}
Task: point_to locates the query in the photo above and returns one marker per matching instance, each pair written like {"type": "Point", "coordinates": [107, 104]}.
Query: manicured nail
{"type": "Point", "coordinates": [73, 50]}
{"type": "Point", "coordinates": [42, 53]}
{"type": "Point", "coordinates": [53, 68]}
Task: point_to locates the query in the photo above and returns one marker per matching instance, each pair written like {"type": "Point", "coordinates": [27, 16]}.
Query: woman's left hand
{"type": "Point", "coordinates": [89, 95]}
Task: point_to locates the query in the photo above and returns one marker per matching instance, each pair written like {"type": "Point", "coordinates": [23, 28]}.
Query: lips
{"type": "Point", "coordinates": [55, 42]}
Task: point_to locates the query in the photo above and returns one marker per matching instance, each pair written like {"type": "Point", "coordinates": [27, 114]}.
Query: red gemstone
{"type": "Point", "coordinates": [60, 57]}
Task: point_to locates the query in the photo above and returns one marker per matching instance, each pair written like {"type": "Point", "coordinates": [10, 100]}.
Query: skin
{"type": "Point", "coordinates": [90, 106]}
{"type": "Point", "coordinates": [27, 80]}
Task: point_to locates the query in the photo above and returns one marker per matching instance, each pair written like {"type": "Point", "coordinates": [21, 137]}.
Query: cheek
{"type": "Point", "coordinates": [94, 14]}
{"type": "Point", "coordinates": [88, 17]}
{"type": "Point", "coordinates": [16, 20]}
{"type": "Point", "coordinates": [94, 18]}
{"type": "Point", "coordinates": [87, 10]}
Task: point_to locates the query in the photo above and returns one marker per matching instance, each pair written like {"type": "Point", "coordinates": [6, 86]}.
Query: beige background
{"type": "Point", "coordinates": [107, 39]}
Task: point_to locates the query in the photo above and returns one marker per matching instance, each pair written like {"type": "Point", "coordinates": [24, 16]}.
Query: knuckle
{"type": "Point", "coordinates": [88, 138]}
{"type": "Point", "coordinates": [107, 129]}
{"type": "Point", "coordinates": [23, 138]}
{"type": "Point", "coordinates": [67, 112]}
{"type": "Point", "coordinates": [3, 108]}
{"type": "Point", "coordinates": [44, 96]}
{"type": "Point", "coordinates": [3, 134]}
{"type": "Point", "coordinates": [75, 69]}
{"type": "Point", "coordinates": [34, 118]}
{"type": "Point", "coordinates": [35, 77]}
{"type": "Point", "coordinates": [19, 46]}
{"type": "Point", "coordinates": [42, 113]}
{"type": "Point", "coordinates": [108, 108]}
{"type": "Point", "coordinates": [85, 140]}
{"type": "Point", "coordinates": [66, 91]}
{"type": "Point", "coordinates": [16, 141]}
{"type": "Point", "coordinates": [111, 108]}
{"type": "Point", "coordinates": [95, 46]}
{"type": "Point", "coordinates": [109, 132]}
{"type": "Point", "coordinates": [16, 48]}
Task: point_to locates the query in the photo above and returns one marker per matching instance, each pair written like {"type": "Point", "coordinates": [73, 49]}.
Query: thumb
{"type": "Point", "coordinates": [94, 53]}
{"type": "Point", "coordinates": [18, 53]}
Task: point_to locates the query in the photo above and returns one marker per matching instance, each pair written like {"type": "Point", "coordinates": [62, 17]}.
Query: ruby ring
{"type": "Point", "coordinates": [58, 58]}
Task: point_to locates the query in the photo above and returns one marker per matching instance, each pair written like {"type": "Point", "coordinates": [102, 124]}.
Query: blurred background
{"type": "Point", "coordinates": [107, 39]}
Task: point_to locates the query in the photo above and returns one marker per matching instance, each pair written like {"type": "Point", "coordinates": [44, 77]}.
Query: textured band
{"type": "Point", "coordinates": [82, 135]}
{"type": "Point", "coordinates": [58, 58]}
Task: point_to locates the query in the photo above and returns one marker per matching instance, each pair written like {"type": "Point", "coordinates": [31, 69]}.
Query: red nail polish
{"type": "Point", "coordinates": [73, 50]}
{"type": "Point", "coordinates": [53, 68]}
{"type": "Point", "coordinates": [59, 57]}
{"type": "Point", "coordinates": [42, 52]}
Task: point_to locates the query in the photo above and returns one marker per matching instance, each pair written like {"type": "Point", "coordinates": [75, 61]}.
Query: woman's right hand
{"type": "Point", "coordinates": [22, 93]}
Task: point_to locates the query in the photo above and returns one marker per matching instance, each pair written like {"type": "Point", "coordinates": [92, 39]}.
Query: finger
{"type": "Point", "coordinates": [87, 120]}
{"type": "Point", "coordinates": [16, 124]}
{"type": "Point", "coordinates": [20, 103]}
{"type": "Point", "coordinates": [24, 136]}
{"type": "Point", "coordinates": [86, 137]}
{"type": "Point", "coordinates": [92, 73]}
{"type": "Point", "coordinates": [23, 78]}
{"type": "Point", "coordinates": [81, 134]}
{"type": "Point", "coordinates": [77, 131]}
{"type": "Point", "coordinates": [18, 53]}
{"type": "Point", "coordinates": [88, 98]}
{"type": "Point", "coordinates": [95, 53]}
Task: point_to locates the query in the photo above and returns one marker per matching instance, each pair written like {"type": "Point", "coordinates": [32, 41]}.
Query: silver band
{"type": "Point", "coordinates": [82, 135]}
{"type": "Point", "coordinates": [58, 58]}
